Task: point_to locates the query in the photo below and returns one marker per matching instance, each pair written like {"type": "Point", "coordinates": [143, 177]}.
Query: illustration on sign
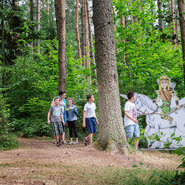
{"type": "Point", "coordinates": [165, 116]}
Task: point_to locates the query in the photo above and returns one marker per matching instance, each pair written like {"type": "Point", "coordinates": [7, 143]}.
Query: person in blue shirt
{"type": "Point", "coordinates": [72, 120]}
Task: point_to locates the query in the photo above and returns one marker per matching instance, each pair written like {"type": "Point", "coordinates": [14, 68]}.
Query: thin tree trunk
{"type": "Point", "coordinates": [61, 29]}
{"type": "Point", "coordinates": [31, 10]}
{"type": "Point", "coordinates": [111, 132]}
{"type": "Point", "coordinates": [38, 24]}
{"type": "Point", "coordinates": [83, 30]}
{"type": "Point", "coordinates": [177, 26]}
{"type": "Point", "coordinates": [77, 32]}
{"type": "Point", "coordinates": [3, 46]}
{"type": "Point", "coordinates": [173, 21]}
{"type": "Point", "coordinates": [159, 4]}
{"type": "Point", "coordinates": [47, 6]}
{"type": "Point", "coordinates": [90, 34]}
{"type": "Point", "coordinates": [131, 16]}
{"type": "Point", "coordinates": [182, 28]}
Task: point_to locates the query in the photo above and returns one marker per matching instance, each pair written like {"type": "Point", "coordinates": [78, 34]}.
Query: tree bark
{"type": "Point", "coordinates": [90, 34]}
{"type": "Point", "coordinates": [77, 32]}
{"type": "Point", "coordinates": [177, 26]}
{"type": "Point", "coordinates": [38, 24]}
{"type": "Point", "coordinates": [3, 46]}
{"type": "Point", "coordinates": [87, 55]}
{"type": "Point", "coordinates": [61, 30]}
{"type": "Point", "coordinates": [182, 28]}
{"type": "Point", "coordinates": [111, 132]}
{"type": "Point", "coordinates": [83, 30]}
{"type": "Point", "coordinates": [159, 4]}
{"type": "Point", "coordinates": [173, 21]}
{"type": "Point", "coordinates": [47, 6]}
{"type": "Point", "coordinates": [31, 10]}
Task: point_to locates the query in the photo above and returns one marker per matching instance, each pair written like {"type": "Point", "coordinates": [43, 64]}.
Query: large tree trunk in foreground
{"type": "Point", "coordinates": [111, 132]}
{"type": "Point", "coordinates": [182, 27]}
{"type": "Point", "coordinates": [61, 30]}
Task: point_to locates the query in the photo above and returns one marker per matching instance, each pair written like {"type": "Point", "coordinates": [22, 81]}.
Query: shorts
{"type": "Point", "coordinates": [57, 128]}
{"type": "Point", "coordinates": [91, 125]}
{"type": "Point", "coordinates": [132, 130]}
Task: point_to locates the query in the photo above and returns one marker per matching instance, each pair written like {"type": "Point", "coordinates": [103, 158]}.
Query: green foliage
{"type": "Point", "coordinates": [30, 127]}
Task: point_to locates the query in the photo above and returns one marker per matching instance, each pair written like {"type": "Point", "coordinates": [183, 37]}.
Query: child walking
{"type": "Point", "coordinates": [71, 120]}
{"type": "Point", "coordinates": [54, 117]}
{"type": "Point", "coordinates": [130, 120]}
{"type": "Point", "coordinates": [89, 118]}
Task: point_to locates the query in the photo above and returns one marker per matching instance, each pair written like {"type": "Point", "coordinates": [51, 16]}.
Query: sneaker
{"type": "Point", "coordinates": [58, 144]}
{"type": "Point", "coordinates": [71, 143]}
{"type": "Point", "coordinates": [54, 142]}
{"type": "Point", "coordinates": [76, 142]}
{"type": "Point", "coordinates": [64, 142]}
{"type": "Point", "coordinates": [85, 141]}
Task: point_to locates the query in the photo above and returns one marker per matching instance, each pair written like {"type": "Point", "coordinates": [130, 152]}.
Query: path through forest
{"type": "Point", "coordinates": [41, 162]}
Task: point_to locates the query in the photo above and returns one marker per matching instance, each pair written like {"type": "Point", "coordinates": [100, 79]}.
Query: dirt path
{"type": "Point", "coordinates": [38, 155]}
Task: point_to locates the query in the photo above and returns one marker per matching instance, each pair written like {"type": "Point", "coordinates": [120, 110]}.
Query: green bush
{"type": "Point", "coordinates": [30, 127]}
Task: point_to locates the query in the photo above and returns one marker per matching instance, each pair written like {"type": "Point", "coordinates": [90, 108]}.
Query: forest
{"type": "Point", "coordinates": [100, 47]}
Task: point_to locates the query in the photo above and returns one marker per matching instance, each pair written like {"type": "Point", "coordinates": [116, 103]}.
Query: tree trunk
{"type": "Point", "coordinates": [177, 26]}
{"type": "Point", "coordinates": [87, 55]}
{"type": "Point", "coordinates": [182, 28]}
{"type": "Point", "coordinates": [38, 24]}
{"type": "Point", "coordinates": [123, 24]}
{"type": "Point", "coordinates": [173, 21]}
{"type": "Point", "coordinates": [31, 10]}
{"type": "Point", "coordinates": [3, 47]}
{"type": "Point", "coordinates": [159, 4]}
{"type": "Point", "coordinates": [83, 30]}
{"type": "Point", "coordinates": [61, 30]}
{"type": "Point", "coordinates": [111, 132]}
{"type": "Point", "coordinates": [77, 32]}
{"type": "Point", "coordinates": [47, 6]}
{"type": "Point", "coordinates": [90, 34]}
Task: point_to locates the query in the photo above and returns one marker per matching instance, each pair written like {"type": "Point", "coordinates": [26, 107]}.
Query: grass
{"type": "Point", "coordinates": [59, 173]}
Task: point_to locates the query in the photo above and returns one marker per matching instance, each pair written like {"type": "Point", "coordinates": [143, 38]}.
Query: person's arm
{"type": "Point", "coordinates": [96, 119]}
{"type": "Point", "coordinates": [49, 115]}
{"type": "Point", "coordinates": [130, 117]}
{"type": "Point", "coordinates": [75, 110]}
{"type": "Point", "coordinates": [84, 117]}
{"type": "Point", "coordinates": [61, 115]}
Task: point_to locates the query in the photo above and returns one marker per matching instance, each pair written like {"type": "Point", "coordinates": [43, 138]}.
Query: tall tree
{"type": "Point", "coordinates": [38, 23]}
{"type": "Point", "coordinates": [182, 28]}
{"type": "Point", "coordinates": [177, 26]}
{"type": "Point", "coordinates": [3, 44]}
{"type": "Point", "coordinates": [87, 55]}
{"type": "Point", "coordinates": [83, 30]}
{"type": "Point", "coordinates": [90, 34]}
{"type": "Point", "coordinates": [173, 20]}
{"type": "Point", "coordinates": [111, 131]}
{"type": "Point", "coordinates": [159, 4]}
{"type": "Point", "coordinates": [61, 30]}
{"type": "Point", "coordinates": [77, 32]}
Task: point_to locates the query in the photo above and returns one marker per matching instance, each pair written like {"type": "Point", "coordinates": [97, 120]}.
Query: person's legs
{"type": "Point", "coordinates": [90, 138]}
{"type": "Point", "coordinates": [136, 135]}
{"type": "Point", "coordinates": [63, 135]}
{"type": "Point", "coordinates": [89, 126]}
{"type": "Point", "coordinates": [75, 131]}
{"type": "Point", "coordinates": [70, 131]}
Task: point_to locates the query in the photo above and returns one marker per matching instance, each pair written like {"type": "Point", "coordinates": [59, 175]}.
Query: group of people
{"type": "Point", "coordinates": [61, 114]}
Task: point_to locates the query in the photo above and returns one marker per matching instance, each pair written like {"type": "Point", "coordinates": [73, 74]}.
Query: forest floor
{"type": "Point", "coordinates": [39, 161]}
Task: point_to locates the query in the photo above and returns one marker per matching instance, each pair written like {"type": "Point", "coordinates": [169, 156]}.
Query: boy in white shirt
{"type": "Point", "coordinates": [89, 118]}
{"type": "Point", "coordinates": [130, 120]}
